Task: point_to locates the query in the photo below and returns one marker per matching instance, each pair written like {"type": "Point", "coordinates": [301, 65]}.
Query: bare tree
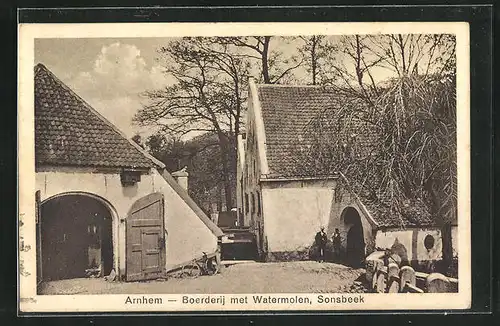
{"type": "Point", "coordinates": [395, 139]}
{"type": "Point", "coordinates": [274, 65]}
{"type": "Point", "coordinates": [317, 52]}
{"type": "Point", "coordinates": [208, 95]}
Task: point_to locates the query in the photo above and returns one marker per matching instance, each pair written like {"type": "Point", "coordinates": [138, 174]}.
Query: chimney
{"type": "Point", "coordinates": [181, 177]}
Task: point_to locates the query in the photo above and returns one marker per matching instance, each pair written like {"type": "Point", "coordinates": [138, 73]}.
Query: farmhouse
{"type": "Point", "coordinates": [104, 206]}
{"type": "Point", "coordinates": [285, 199]}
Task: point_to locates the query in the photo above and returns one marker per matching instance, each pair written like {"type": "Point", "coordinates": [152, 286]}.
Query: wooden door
{"type": "Point", "coordinates": [145, 239]}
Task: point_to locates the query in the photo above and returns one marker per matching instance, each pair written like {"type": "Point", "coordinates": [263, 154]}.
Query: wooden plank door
{"type": "Point", "coordinates": [145, 239]}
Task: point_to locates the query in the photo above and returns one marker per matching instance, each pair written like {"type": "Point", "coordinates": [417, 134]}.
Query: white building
{"type": "Point", "coordinates": [285, 204]}
{"type": "Point", "coordinates": [103, 202]}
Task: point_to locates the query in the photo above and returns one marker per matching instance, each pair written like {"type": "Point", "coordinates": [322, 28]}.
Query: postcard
{"type": "Point", "coordinates": [247, 167]}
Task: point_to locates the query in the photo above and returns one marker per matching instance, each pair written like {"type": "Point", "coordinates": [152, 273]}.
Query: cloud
{"type": "Point", "coordinates": [119, 75]}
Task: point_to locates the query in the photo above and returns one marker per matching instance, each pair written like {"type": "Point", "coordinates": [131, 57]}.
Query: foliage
{"type": "Point", "coordinates": [208, 95]}
{"type": "Point", "coordinates": [393, 132]}
{"type": "Point", "coordinates": [201, 156]}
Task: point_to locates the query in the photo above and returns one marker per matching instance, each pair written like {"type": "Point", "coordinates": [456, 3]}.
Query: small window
{"type": "Point", "coordinates": [253, 203]}
{"type": "Point", "coordinates": [246, 203]}
{"type": "Point", "coordinates": [259, 209]}
{"type": "Point", "coordinates": [241, 189]}
{"type": "Point", "coordinates": [429, 242]}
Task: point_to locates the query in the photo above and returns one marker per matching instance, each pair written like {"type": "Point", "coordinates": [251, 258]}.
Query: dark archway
{"type": "Point", "coordinates": [355, 242]}
{"type": "Point", "coordinates": [76, 237]}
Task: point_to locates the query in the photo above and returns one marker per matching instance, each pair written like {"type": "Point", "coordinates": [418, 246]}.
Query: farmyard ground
{"type": "Point", "coordinates": [285, 277]}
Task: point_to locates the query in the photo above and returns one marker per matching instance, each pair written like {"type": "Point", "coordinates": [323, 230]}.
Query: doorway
{"type": "Point", "coordinates": [355, 242]}
{"type": "Point", "coordinates": [76, 238]}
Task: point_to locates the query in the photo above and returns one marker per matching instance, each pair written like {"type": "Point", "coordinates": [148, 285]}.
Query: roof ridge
{"type": "Point", "coordinates": [295, 86]}
{"type": "Point", "coordinates": [40, 67]}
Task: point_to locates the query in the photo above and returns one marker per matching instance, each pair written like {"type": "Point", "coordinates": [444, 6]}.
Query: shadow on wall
{"type": "Point", "coordinates": [130, 191]}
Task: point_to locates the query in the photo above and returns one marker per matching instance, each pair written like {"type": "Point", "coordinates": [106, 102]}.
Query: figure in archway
{"type": "Point", "coordinates": [337, 244]}
{"type": "Point", "coordinates": [355, 246]}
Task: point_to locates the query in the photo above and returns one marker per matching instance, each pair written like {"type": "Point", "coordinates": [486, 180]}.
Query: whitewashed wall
{"type": "Point", "coordinates": [187, 234]}
{"type": "Point", "coordinates": [413, 240]}
{"type": "Point", "coordinates": [293, 213]}
{"type": "Point", "coordinates": [454, 240]}
{"type": "Point", "coordinates": [295, 210]}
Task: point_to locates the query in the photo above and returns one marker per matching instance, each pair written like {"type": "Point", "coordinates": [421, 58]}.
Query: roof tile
{"type": "Point", "coordinates": [69, 132]}
{"type": "Point", "coordinates": [290, 113]}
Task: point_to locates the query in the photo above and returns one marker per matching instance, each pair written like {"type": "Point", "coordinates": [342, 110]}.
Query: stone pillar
{"type": "Point", "coordinates": [182, 178]}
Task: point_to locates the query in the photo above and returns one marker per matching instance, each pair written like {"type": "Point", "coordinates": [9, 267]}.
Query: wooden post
{"type": "Point", "coordinates": [394, 286]}
{"type": "Point", "coordinates": [407, 275]}
{"type": "Point", "coordinates": [372, 262]}
{"type": "Point", "coordinates": [377, 265]}
{"type": "Point", "coordinates": [393, 278]}
{"type": "Point", "coordinates": [382, 280]}
{"type": "Point", "coordinates": [392, 270]}
{"type": "Point", "coordinates": [437, 283]}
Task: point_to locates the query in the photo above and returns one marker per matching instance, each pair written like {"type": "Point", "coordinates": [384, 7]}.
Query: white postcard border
{"type": "Point", "coordinates": [30, 302]}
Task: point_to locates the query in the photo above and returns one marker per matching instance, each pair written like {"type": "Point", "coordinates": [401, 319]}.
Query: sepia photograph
{"type": "Point", "coordinates": [213, 168]}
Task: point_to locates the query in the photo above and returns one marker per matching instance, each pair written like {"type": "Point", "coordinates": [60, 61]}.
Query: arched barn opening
{"type": "Point", "coordinates": [76, 237]}
{"type": "Point", "coordinates": [355, 242]}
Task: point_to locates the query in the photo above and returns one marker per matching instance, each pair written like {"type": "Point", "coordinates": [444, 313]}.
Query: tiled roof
{"type": "Point", "coordinates": [404, 212]}
{"type": "Point", "coordinates": [290, 115]}
{"type": "Point", "coordinates": [69, 132]}
{"type": "Point", "coordinates": [411, 214]}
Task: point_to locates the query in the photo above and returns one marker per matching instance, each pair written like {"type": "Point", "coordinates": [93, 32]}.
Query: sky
{"type": "Point", "coordinates": [111, 73]}
{"type": "Point", "coordinates": [108, 73]}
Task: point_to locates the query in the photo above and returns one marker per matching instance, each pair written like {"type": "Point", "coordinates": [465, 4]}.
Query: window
{"type": "Point", "coordinates": [246, 203]}
{"type": "Point", "coordinates": [259, 209]}
{"type": "Point", "coordinates": [429, 242]}
{"type": "Point", "coordinates": [241, 189]}
{"type": "Point", "coordinates": [253, 203]}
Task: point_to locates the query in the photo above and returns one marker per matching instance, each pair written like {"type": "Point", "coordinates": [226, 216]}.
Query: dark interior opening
{"type": "Point", "coordinates": [355, 247]}
{"type": "Point", "coordinates": [76, 238]}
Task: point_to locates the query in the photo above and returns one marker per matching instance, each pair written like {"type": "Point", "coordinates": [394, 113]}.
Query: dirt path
{"type": "Point", "coordinates": [292, 277]}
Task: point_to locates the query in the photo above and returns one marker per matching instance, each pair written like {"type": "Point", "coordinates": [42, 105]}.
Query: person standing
{"type": "Point", "coordinates": [336, 244]}
{"type": "Point", "coordinates": [321, 240]}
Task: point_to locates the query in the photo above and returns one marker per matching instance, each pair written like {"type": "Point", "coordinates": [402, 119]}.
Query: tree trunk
{"type": "Point", "coordinates": [265, 63]}
{"type": "Point", "coordinates": [447, 246]}
{"type": "Point", "coordinates": [226, 171]}
{"type": "Point", "coordinates": [313, 59]}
